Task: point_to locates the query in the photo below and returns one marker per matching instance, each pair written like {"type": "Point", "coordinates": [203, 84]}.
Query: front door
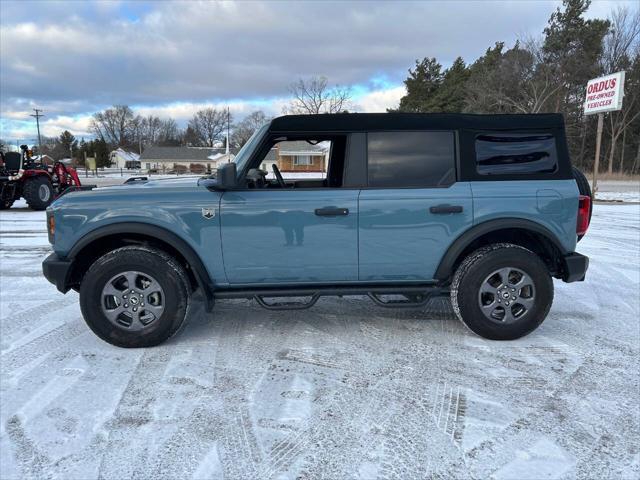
{"type": "Point", "coordinates": [292, 236]}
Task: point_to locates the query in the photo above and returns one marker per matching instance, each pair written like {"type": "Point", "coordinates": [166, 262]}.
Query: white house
{"type": "Point", "coordinates": [122, 159]}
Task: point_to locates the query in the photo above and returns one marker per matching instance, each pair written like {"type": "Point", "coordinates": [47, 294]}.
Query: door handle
{"type": "Point", "coordinates": [442, 209]}
{"type": "Point", "coordinates": [331, 211]}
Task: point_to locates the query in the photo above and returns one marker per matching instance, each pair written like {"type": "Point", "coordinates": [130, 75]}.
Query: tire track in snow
{"type": "Point", "coordinates": [241, 453]}
{"type": "Point", "coordinates": [33, 463]}
{"type": "Point", "coordinates": [33, 315]}
{"type": "Point", "coordinates": [181, 455]}
{"type": "Point", "coordinates": [41, 346]}
{"type": "Point", "coordinates": [128, 430]}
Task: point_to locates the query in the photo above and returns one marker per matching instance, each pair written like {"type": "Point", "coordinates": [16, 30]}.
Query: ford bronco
{"type": "Point", "coordinates": [484, 208]}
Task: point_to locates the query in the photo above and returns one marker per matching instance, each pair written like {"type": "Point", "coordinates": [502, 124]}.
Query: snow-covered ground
{"type": "Point", "coordinates": [344, 390]}
{"type": "Point", "coordinates": [618, 191]}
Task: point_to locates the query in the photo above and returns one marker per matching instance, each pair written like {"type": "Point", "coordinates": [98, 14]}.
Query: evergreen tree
{"type": "Point", "coordinates": [450, 96]}
{"type": "Point", "coordinates": [422, 85]}
{"type": "Point", "coordinates": [572, 47]}
{"type": "Point", "coordinates": [66, 146]}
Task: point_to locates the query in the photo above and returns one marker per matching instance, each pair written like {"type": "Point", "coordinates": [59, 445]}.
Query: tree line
{"type": "Point", "coordinates": [120, 127]}
{"type": "Point", "coordinates": [546, 74]}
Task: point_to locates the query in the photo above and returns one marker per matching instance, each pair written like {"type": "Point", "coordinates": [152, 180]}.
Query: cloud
{"type": "Point", "coordinates": [194, 51]}
{"type": "Point", "coordinates": [23, 125]}
{"type": "Point", "coordinates": [72, 59]}
{"type": "Point", "coordinates": [380, 100]}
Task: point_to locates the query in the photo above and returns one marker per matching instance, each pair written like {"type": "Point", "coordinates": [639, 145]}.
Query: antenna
{"type": "Point", "coordinates": [37, 116]}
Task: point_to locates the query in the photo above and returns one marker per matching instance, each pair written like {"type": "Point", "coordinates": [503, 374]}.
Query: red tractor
{"type": "Point", "coordinates": [40, 184]}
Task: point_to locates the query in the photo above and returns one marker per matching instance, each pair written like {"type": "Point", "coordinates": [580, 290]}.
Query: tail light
{"type": "Point", "coordinates": [584, 207]}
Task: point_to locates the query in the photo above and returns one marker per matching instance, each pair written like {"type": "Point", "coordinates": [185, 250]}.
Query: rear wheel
{"type": "Point", "coordinates": [134, 297]}
{"type": "Point", "coordinates": [502, 291]}
{"type": "Point", "coordinates": [38, 192]}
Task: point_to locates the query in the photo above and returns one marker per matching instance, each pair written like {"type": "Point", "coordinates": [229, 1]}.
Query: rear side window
{"type": "Point", "coordinates": [411, 159]}
{"type": "Point", "coordinates": [515, 153]}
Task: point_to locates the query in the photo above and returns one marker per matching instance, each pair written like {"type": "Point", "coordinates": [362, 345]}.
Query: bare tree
{"type": "Point", "coordinates": [623, 37]}
{"type": "Point", "coordinates": [620, 120]}
{"type": "Point", "coordinates": [621, 51]}
{"type": "Point", "coordinates": [208, 125]}
{"type": "Point", "coordinates": [150, 126]}
{"type": "Point", "coordinates": [314, 95]}
{"type": "Point", "coordinates": [168, 133]}
{"type": "Point", "coordinates": [116, 125]}
{"type": "Point", "coordinates": [243, 130]}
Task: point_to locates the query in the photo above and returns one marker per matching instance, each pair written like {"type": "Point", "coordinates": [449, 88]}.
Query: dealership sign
{"type": "Point", "coordinates": [604, 94]}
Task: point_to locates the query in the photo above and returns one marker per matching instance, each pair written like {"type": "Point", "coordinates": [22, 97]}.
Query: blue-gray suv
{"type": "Point", "coordinates": [399, 207]}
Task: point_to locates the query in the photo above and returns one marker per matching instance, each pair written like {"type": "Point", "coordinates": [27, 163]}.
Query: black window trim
{"type": "Point", "coordinates": [267, 143]}
{"type": "Point", "coordinates": [456, 160]}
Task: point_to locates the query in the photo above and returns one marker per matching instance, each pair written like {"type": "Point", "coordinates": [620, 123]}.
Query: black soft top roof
{"type": "Point", "coordinates": [412, 121]}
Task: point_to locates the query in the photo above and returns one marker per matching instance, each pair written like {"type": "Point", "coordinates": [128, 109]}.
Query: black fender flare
{"type": "Point", "coordinates": [445, 268]}
{"type": "Point", "coordinates": [153, 231]}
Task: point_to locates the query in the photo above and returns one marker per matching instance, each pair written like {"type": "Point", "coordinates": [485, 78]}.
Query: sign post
{"type": "Point", "coordinates": [604, 94]}
{"type": "Point", "coordinates": [596, 162]}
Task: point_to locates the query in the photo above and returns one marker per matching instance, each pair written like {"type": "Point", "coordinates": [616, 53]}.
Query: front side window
{"type": "Point", "coordinates": [515, 153]}
{"type": "Point", "coordinates": [411, 159]}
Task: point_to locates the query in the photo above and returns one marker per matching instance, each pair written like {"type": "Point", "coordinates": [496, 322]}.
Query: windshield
{"type": "Point", "coordinates": [245, 152]}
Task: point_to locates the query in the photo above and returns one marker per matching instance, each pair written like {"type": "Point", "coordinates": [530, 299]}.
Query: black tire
{"type": "Point", "coordinates": [5, 204]}
{"type": "Point", "coordinates": [38, 192]}
{"type": "Point", "coordinates": [585, 189]}
{"type": "Point", "coordinates": [161, 267]}
{"type": "Point", "coordinates": [472, 274]}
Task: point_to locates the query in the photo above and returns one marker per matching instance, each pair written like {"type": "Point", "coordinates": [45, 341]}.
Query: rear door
{"type": "Point", "coordinates": [413, 207]}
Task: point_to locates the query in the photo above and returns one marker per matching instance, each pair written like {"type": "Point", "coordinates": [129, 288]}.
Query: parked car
{"type": "Point", "coordinates": [484, 208]}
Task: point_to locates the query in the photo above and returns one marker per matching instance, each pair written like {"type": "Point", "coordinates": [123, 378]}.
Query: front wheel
{"type": "Point", "coordinates": [502, 291]}
{"type": "Point", "coordinates": [134, 297]}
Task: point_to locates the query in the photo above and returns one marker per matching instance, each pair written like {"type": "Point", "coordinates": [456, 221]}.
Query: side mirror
{"type": "Point", "coordinates": [226, 176]}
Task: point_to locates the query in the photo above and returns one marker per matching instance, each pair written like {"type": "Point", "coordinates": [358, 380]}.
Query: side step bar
{"type": "Point", "coordinates": [414, 295]}
{"type": "Point", "coordinates": [286, 305]}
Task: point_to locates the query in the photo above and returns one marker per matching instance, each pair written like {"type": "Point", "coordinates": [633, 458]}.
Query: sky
{"type": "Point", "coordinates": [170, 59]}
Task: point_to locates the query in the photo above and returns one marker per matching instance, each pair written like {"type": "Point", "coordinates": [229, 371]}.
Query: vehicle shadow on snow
{"type": "Point", "coordinates": [437, 315]}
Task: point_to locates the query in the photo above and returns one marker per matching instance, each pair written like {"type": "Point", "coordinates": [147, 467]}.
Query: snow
{"type": "Point", "coordinates": [344, 390]}
{"type": "Point", "coordinates": [618, 191]}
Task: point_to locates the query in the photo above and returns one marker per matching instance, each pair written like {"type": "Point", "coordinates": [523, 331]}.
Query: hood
{"type": "Point", "coordinates": [164, 189]}
{"type": "Point", "coordinates": [178, 182]}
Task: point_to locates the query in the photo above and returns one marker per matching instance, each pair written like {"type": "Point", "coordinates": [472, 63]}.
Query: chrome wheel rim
{"type": "Point", "coordinates": [132, 300]}
{"type": "Point", "coordinates": [506, 295]}
{"type": "Point", "coordinates": [44, 193]}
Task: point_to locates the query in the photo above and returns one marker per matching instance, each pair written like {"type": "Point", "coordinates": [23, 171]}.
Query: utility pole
{"type": "Point", "coordinates": [227, 142]}
{"type": "Point", "coordinates": [37, 116]}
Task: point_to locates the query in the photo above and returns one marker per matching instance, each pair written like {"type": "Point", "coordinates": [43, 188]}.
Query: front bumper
{"type": "Point", "coordinates": [57, 270]}
{"type": "Point", "coordinates": [574, 267]}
